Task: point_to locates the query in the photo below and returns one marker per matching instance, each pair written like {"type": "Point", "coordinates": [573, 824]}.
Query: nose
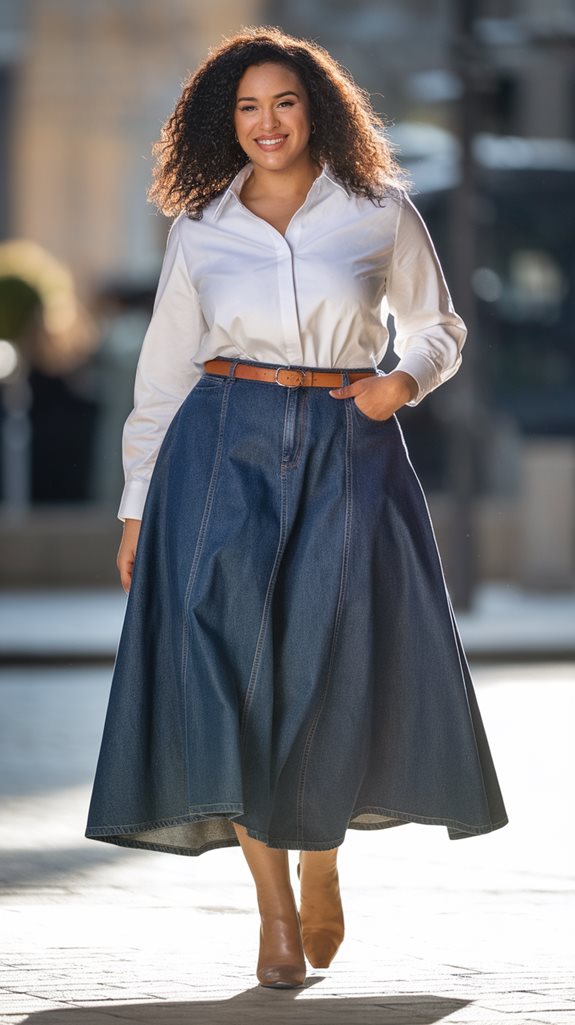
{"type": "Point", "coordinates": [269, 119]}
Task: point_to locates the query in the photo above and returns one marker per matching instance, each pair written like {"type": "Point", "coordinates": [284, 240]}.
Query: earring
{"type": "Point", "coordinates": [312, 128]}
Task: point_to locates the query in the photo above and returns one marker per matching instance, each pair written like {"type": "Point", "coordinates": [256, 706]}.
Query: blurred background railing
{"type": "Point", "coordinates": [481, 99]}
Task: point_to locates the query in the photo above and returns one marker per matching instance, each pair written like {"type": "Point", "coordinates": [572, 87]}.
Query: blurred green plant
{"type": "Point", "coordinates": [19, 303]}
{"type": "Point", "coordinates": [39, 309]}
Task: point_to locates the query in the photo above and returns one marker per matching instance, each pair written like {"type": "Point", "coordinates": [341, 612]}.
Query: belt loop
{"type": "Point", "coordinates": [345, 376]}
{"type": "Point", "coordinates": [232, 370]}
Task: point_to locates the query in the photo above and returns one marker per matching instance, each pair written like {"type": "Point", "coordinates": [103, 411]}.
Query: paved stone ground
{"type": "Point", "coordinates": [466, 932]}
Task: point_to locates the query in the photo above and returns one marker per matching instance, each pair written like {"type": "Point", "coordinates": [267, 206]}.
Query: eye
{"type": "Point", "coordinates": [249, 107]}
{"type": "Point", "coordinates": [286, 103]}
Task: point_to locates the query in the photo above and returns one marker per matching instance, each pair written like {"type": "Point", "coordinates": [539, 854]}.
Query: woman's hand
{"type": "Point", "coordinates": [127, 552]}
{"type": "Point", "coordinates": [379, 397]}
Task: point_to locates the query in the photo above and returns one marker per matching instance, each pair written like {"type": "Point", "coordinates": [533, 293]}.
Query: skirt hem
{"type": "Point", "coordinates": [120, 835]}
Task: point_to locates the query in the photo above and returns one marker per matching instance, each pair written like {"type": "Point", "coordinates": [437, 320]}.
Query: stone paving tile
{"type": "Point", "coordinates": [530, 1002]}
{"type": "Point", "coordinates": [555, 1018]}
{"type": "Point", "coordinates": [18, 1003]}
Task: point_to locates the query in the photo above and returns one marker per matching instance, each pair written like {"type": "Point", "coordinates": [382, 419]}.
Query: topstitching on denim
{"type": "Point", "coordinates": [264, 621]}
{"type": "Point", "coordinates": [337, 621]}
{"type": "Point", "coordinates": [208, 505]}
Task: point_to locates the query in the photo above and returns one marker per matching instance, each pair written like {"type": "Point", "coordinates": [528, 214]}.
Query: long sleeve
{"type": "Point", "coordinates": [165, 374]}
{"type": "Point", "coordinates": [429, 333]}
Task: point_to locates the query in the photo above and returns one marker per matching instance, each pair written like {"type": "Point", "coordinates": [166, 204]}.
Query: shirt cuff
{"type": "Point", "coordinates": [133, 500]}
{"type": "Point", "coordinates": [424, 372]}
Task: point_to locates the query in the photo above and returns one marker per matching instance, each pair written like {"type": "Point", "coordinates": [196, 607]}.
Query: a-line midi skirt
{"type": "Point", "coordinates": [289, 658]}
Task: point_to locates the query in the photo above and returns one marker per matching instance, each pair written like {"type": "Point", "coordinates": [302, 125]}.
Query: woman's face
{"type": "Point", "coordinates": [271, 116]}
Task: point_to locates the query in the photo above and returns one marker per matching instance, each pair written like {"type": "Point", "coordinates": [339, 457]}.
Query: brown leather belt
{"type": "Point", "coordinates": [288, 377]}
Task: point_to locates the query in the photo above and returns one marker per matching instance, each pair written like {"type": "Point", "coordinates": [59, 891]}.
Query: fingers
{"type": "Point", "coordinates": [378, 397]}
{"type": "Point", "coordinates": [127, 552]}
{"type": "Point", "coordinates": [125, 564]}
{"type": "Point", "coordinates": [348, 390]}
{"type": "Point", "coordinates": [126, 579]}
{"type": "Point", "coordinates": [125, 569]}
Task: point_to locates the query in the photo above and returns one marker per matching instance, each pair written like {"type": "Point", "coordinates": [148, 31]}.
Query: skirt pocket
{"type": "Point", "coordinates": [370, 419]}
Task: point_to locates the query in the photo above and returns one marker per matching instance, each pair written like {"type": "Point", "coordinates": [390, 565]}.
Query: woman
{"type": "Point", "coordinates": [289, 665]}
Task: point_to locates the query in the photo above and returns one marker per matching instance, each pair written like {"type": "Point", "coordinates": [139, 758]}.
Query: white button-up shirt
{"type": "Point", "coordinates": [232, 285]}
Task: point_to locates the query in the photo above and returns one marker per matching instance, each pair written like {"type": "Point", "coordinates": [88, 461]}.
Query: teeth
{"type": "Point", "coordinates": [270, 142]}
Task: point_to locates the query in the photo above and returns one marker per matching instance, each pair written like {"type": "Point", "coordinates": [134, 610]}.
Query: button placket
{"type": "Point", "coordinates": [287, 282]}
{"type": "Point", "coordinates": [286, 276]}
{"type": "Point", "coordinates": [288, 303]}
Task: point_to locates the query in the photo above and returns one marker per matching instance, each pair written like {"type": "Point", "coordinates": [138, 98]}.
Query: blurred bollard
{"type": "Point", "coordinates": [20, 306]}
{"type": "Point", "coordinates": [16, 397]}
{"type": "Point", "coordinates": [547, 514]}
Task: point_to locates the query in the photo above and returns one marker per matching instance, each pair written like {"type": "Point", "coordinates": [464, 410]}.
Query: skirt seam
{"type": "Point", "coordinates": [186, 625]}
{"type": "Point", "coordinates": [336, 628]}
{"type": "Point", "coordinates": [252, 684]}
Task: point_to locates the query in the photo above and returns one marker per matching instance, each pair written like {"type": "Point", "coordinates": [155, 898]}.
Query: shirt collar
{"type": "Point", "coordinates": [235, 186]}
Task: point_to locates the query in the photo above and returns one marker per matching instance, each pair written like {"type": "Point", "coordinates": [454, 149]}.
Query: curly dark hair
{"type": "Point", "coordinates": [197, 154]}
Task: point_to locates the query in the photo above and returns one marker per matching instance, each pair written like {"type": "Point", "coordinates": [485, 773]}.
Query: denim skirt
{"type": "Point", "coordinates": [289, 658]}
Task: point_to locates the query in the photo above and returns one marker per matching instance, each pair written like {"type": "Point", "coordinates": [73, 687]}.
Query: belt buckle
{"type": "Point", "coordinates": [291, 370]}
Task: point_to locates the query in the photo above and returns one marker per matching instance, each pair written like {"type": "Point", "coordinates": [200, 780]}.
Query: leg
{"type": "Point", "coordinates": [320, 911]}
{"type": "Point", "coordinates": [281, 961]}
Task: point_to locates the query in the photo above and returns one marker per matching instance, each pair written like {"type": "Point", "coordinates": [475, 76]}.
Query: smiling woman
{"type": "Point", "coordinates": [273, 128]}
{"type": "Point", "coordinates": [199, 150]}
{"type": "Point", "coordinates": [289, 665]}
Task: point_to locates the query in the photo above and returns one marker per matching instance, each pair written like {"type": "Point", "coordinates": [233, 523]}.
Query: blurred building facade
{"type": "Point", "coordinates": [84, 89]}
{"type": "Point", "coordinates": [89, 86]}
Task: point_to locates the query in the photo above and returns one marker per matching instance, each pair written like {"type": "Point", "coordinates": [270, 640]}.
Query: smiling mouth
{"type": "Point", "coordinates": [273, 143]}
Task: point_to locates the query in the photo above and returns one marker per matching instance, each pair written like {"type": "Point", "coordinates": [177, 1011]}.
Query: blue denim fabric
{"type": "Point", "coordinates": [289, 656]}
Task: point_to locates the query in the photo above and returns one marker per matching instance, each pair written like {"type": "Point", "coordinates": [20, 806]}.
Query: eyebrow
{"type": "Point", "coordinates": [289, 92]}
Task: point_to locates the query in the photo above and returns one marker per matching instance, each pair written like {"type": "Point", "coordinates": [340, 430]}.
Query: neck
{"type": "Point", "coordinates": [293, 181]}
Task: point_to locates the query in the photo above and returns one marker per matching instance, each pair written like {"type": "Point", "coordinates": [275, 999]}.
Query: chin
{"type": "Point", "coordinates": [277, 160]}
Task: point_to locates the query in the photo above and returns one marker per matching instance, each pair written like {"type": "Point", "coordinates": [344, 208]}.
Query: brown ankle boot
{"type": "Point", "coordinates": [281, 961]}
{"type": "Point", "coordinates": [321, 912]}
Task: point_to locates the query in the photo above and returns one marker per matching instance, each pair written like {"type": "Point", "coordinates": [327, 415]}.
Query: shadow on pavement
{"type": "Point", "coordinates": [264, 1005]}
{"type": "Point", "coordinates": [25, 867]}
